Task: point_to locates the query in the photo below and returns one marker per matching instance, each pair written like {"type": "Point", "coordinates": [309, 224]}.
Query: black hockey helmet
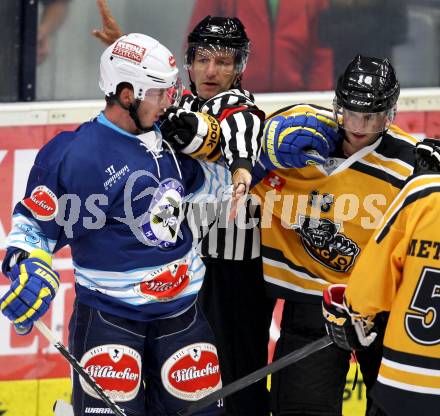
{"type": "Point", "coordinates": [368, 85]}
{"type": "Point", "coordinates": [217, 31]}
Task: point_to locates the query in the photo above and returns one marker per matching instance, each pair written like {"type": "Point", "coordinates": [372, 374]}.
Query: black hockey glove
{"type": "Point", "coordinates": [347, 330]}
{"type": "Point", "coordinates": [427, 155]}
{"type": "Point", "coordinates": [195, 134]}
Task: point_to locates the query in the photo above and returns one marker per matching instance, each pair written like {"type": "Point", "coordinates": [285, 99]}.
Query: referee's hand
{"type": "Point", "coordinates": [241, 181]}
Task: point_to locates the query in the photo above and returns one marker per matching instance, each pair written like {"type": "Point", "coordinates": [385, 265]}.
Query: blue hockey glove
{"type": "Point", "coordinates": [299, 140]}
{"type": "Point", "coordinates": [34, 285]}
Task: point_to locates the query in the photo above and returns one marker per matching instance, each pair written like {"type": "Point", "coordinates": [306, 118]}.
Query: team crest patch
{"type": "Point", "coordinates": [165, 283]}
{"type": "Point", "coordinates": [162, 221]}
{"type": "Point", "coordinates": [321, 239]}
{"type": "Point", "coordinates": [43, 203]}
{"type": "Point", "coordinates": [129, 51]}
{"type": "Point", "coordinates": [116, 368]}
{"type": "Point", "coordinates": [192, 372]}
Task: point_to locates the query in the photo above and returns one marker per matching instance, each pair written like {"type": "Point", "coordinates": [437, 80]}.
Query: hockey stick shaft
{"type": "Point", "coordinates": [251, 378]}
{"type": "Point", "coordinates": [47, 333]}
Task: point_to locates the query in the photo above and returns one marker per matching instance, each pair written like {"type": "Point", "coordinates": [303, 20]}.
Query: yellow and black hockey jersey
{"type": "Point", "coordinates": [399, 271]}
{"type": "Point", "coordinates": [317, 220]}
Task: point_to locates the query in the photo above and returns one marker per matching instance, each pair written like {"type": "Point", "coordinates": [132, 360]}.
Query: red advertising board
{"type": "Point", "coordinates": [31, 357]}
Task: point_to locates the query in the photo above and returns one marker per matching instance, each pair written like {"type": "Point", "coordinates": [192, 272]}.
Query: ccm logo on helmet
{"type": "Point", "coordinates": [172, 61]}
{"type": "Point", "coordinates": [116, 368]}
{"type": "Point", "coordinates": [192, 372]}
{"type": "Point", "coordinates": [355, 102]}
{"type": "Point", "coordinates": [43, 203]}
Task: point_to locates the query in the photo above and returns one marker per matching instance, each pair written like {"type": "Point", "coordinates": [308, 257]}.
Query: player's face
{"type": "Point", "coordinates": [362, 129]}
{"type": "Point", "coordinates": [213, 71]}
{"type": "Point", "coordinates": [156, 101]}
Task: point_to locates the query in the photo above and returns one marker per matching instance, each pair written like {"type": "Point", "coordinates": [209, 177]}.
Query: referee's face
{"type": "Point", "coordinates": [213, 71]}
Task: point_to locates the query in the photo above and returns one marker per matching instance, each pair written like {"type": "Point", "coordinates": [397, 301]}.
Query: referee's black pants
{"type": "Point", "coordinates": [234, 302]}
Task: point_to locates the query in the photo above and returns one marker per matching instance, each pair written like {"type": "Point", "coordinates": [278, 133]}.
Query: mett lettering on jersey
{"type": "Point", "coordinates": [424, 249]}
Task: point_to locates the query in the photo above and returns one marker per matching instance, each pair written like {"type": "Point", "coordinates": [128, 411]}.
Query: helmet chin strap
{"type": "Point", "coordinates": [237, 81]}
{"type": "Point", "coordinates": [192, 85]}
{"type": "Point", "coordinates": [132, 111]}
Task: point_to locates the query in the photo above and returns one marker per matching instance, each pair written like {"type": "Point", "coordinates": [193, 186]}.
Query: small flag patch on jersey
{"type": "Point", "coordinates": [274, 181]}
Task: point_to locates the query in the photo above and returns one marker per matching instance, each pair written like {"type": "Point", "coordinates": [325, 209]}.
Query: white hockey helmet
{"type": "Point", "coordinates": [141, 61]}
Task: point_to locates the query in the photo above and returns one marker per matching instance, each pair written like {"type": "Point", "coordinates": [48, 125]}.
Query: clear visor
{"type": "Point", "coordinates": [225, 59]}
{"type": "Point", "coordinates": [363, 123]}
{"type": "Point", "coordinates": [165, 96]}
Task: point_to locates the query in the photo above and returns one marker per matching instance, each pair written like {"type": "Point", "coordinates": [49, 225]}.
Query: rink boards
{"type": "Point", "coordinates": [32, 373]}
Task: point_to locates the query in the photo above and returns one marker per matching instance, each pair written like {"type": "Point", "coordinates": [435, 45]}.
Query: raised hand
{"type": "Point", "coordinates": [110, 31]}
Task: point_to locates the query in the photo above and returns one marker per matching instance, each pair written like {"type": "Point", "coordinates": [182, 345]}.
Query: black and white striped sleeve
{"type": "Point", "coordinates": [241, 125]}
{"type": "Point", "coordinates": [241, 139]}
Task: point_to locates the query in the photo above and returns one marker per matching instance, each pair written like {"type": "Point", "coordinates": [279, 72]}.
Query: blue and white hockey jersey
{"type": "Point", "coordinates": [116, 199]}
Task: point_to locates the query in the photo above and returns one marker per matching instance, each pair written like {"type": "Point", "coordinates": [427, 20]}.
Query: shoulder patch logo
{"type": "Point", "coordinates": [192, 372]}
{"type": "Point", "coordinates": [43, 203]}
{"type": "Point", "coordinates": [116, 368]}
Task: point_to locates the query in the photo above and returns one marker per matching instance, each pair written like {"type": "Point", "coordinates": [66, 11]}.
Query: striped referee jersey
{"type": "Point", "coordinates": [241, 124]}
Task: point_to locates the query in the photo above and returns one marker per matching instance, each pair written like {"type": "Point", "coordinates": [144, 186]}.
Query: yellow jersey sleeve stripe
{"type": "Point", "coordinates": [414, 192]}
{"type": "Point", "coordinates": [398, 133]}
{"type": "Point", "coordinates": [395, 167]}
{"type": "Point", "coordinates": [411, 368]}
{"type": "Point", "coordinates": [417, 381]}
{"type": "Point", "coordinates": [292, 286]}
{"type": "Point", "coordinates": [288, 277]}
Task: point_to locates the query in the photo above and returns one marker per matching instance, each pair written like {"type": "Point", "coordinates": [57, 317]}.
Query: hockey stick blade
{"type": "Point", "coordinates": [79, 368]}
{"type": "Point", "coordinates": [251, 378]}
